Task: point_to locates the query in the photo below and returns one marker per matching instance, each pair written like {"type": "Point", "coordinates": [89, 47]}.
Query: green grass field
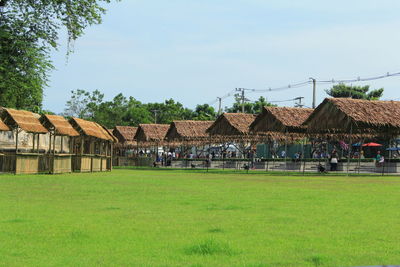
{"type": "Point", "coordinates": [178, 218]}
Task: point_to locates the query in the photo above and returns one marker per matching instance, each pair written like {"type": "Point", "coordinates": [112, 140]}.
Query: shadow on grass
{"type": "Point", "coordinates": [210, 247]}
{"type": "Point", "coordinates": [252, 172]}
{"type": "Point", "coordinates": [215, 230]}
{"type": "Point", "coordinates": [317, 260]}
{"type": "Point", "coordinates": [17, 220]}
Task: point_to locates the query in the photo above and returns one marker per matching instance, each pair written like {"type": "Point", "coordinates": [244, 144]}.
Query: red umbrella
{"type": "Point", "coordinates": [372, 144]}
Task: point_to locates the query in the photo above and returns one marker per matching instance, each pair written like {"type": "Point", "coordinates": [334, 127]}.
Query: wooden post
{"type": "Point", "coordinates": [16, 148]}
{"type": "Point", "coordinates": [82, 145]}
{"type": "Point", "coordinates": [16, 140]}
{"type": "Point", "coordinates": [286, 150]}
{"type": "Point", "coordinates": [302, 158]}
{"type": "Point", "coordinates": [50, 142]}
{"type": "Point", "coordinates": [33, 142]}
{"type": "Point", "coordinates": [54, 144]}
{"type": "Point", "coordinates": [62, 143]}
{"type": "Point", "coordinates": [38, 142]}
{"type": "Point", "coordinates": [350, 146]}
{"type": "Point", "coordinates": [359, 155]}
{"type": "Point", "coordinates": [111, 155]}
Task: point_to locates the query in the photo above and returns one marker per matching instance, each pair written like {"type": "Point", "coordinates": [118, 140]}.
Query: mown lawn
{"type": "Point", "coordinates": [178, 218]}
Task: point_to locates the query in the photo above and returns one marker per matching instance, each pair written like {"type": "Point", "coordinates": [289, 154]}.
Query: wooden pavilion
{"type": "Point", "coordinates": [150, 135]}
{"type": "Point", "coordinates": [283, 120]}
{"type": "Point", "coordinates": [355, 119]}
{"type": "Point", "coordinates": [26, 157]}
{"type": "Point", "coordinates": [61, 139]}
{"type": "Point", "coordinates": [93, 149]}
{"type": "Point", "coordinates": [234, 128]}
{"type": "Point", "coordinates": [126, 139]}
{"type": "Point", "coordinates": [284, 124]}
{"type": "Point", "coordinates": [189, 132]}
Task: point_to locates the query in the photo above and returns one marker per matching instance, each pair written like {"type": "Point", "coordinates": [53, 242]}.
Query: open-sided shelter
{"type": "Point", "coordinates": [281, 121]}
{"type": "Point", "coordinates": [61, 139]}
{"type": "Point", "coordinates": [233, 127]}
{"type": "Point", "coordinates": [189, 132]}
{"type": "Point", "coordinates": [148, 135]}
{"type": "Point", "coordinates": [126, 139]}
{"type": "Point", "coordinates": [27, 157]}
{"type": "Point", "coordinates": [356, 117]}
{"type": "Point", "coordinates": [93, 149]}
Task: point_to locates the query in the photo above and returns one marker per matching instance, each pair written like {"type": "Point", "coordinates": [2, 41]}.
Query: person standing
{"type": "Point", "coordinates": [334, 160]}
{"type": "Point", "coordinates": [379, 159]}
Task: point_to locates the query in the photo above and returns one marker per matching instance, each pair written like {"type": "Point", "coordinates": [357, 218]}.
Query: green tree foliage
{"type": "Point", "coordinates": [204, 113]}
{"type": "Point", "coordinates": [29, 29]}
{"type": "Point", "coordinates": [129, 111]}
{"type": "Point", "coordinates": [357, 92]}
{"type": "Point", "coordinates": [169, 111]}
{"type": "Point", "coordinates": [23, 71]}
{"type": "Point", "coordinates": [249, 107]}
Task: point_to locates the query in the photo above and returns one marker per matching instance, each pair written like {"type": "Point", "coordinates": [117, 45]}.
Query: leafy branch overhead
{"type": "Point", "coordinates": [29, 29]}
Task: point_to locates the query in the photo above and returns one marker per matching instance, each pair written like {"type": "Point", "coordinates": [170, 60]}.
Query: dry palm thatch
{"type": "Point", "coordinates": [125, 134]}
{"type": "Point", "coordinates": [110, 133]}
{"type": "Point", "coordinates": [4, 127]}
{"type": "Point", "coordinates": [233, 127]}
{"type": "Point", "coordinates": [90, 128]}
{"type": "Point", "coordinates": [22, 119]}
{"type": "Point", "coordinates": [59, 125]}
{"type": "Point", "coordinates": [281, 119]}
{"type": "Point", "coordinates": [151, 133]}
{"type": "Point", "coordinates": [189, 132]}
{"type": "Point", "coordinates": [346, 115]}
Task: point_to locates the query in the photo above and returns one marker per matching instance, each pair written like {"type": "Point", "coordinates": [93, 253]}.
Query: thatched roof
{"type": "Point", "coordinates": [26, 120]}
{"type": "Point", "coordinates": [362, 116]}
{"type": "Point", "coordinates": [110, 133]}
{"type": "Point", "coordinates": [125, 134]}
{"type": "Point", "coordinates": [232, 124]}
{"type": "Point", "coordinates": [189, 131]}
{"type": "Point", "coordinates": [90, 128]}
{"type": "Point", "coordinates": [4, 127]}
{"type": "Point", "coordinates": [151, 132]}
{"type": "Point", "coordinates": [281, 119]}
{"type": "Point", "coordinates": [234, 127]}
{"type": "Point", "coordinates": [59, 124]}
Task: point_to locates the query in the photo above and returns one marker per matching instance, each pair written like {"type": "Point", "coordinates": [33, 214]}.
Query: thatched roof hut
{"type": "Point", "coordinates": [151, 133]}
{"type": "Point", "coordinates": [281, 119]}
{"type": "Point", "coordinates": [25, 120]}
{"type": "Point", "coordinates": [346, 115]}
{"type": "Point", "coordinates": [189, 131]}
{"type": "Point", "coordinates": [59, 125]}
{"type": "Point", "coordinates": [233, 127]}
{"type": "Point", "coordinates": [90, 128]}
{"type": "Point", "coordinates": [125, 134]}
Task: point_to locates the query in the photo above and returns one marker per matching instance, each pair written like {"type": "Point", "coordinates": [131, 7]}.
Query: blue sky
{"type": "Point", "coordinates": [194, 51]}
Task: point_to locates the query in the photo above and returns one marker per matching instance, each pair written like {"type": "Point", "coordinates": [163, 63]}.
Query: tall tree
{"type": "Point", "coordinates": [357, 92]}
{"type": "Point", "coordinates": [249, 107]}
{"type": "Point", "coordinates": [29, 29]}
{"type": "Point", "coordinates": [204, 112]}
{"type": "Point", "coordinates": [24, 69]}
{"type": "Point", "coordinates": [168, 111]}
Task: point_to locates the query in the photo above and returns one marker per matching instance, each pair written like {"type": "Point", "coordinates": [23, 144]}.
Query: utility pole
{"type": "Point", "coordinates": [299, 104]}
{"type": "Point", "coordinates": [241, 97]}
{"type": "Point", "coordinates": [314, 82]}
{"type": "Point", "coordinates": [219, 105]}
{"type": "Point", "coordinates": [155, 115]}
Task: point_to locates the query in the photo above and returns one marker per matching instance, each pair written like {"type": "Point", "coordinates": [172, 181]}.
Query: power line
{"type": "Point", "coordinates": [305, 83]}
